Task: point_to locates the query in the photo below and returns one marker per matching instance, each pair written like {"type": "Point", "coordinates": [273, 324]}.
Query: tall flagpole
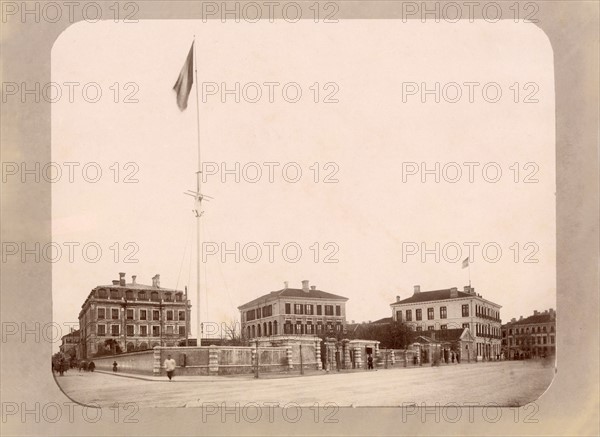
{"type": "Point", "coordinates": [199, 212]}
{"type": "Point", "coordinates": [469, 261]}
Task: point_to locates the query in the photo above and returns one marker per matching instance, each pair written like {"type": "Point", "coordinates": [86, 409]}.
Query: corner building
{"type": "Point", "coordinates": [136, 316]}
{"type": "Point", "coordinates": [453, 309]}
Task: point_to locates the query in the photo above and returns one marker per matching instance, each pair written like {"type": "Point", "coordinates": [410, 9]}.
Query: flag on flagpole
{"type": "Point", "coordinates": [183, 86]}
{"type": "Point", "coordinates": [465, 263]}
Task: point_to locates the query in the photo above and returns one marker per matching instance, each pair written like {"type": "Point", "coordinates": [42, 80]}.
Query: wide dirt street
{"type": "Point", "coordinates": [507, 383]}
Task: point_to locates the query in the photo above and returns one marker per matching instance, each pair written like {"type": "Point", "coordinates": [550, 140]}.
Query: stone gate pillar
{"type": "Point", "coordinates": [358, 357]}
{"type": "Point", "coordinates": [213, 360]}
{"type": "Point", "coordinates": [156, 361]}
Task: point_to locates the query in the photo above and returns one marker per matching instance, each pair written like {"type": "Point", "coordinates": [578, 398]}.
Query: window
{"type": "Point", "coordinates": [129, 314]}
{"type": "Point", "coordinates": [102, 330]}
{"type": "Point", "coordinates": [319, 327]}
{"type": "Point", "coordinates": [430, 314]}
{"type": "Point", "coordinates": [443, 313]}
{"type": "Point", "coordinates": [510, 331]}
{"type": "Point", "coordinates": [168, 297]}
{"type": "Point", "coordinates": [419, 314]}
{"type": "Point", "coordinates": [143, 331]}
{"type": "Point", "coordinates": [251, 315]}
{"type": "Point", "coordinates": [539, 340]}
{"type": "Point", "coordinates": [298, 329]}
{"type": "Point", "coordinates": [179, 297]}
{"type": "Point", "coordinates": [544, 340]}
{"type": "Point", "coordinates": [130, 330]}
{"type": "Point", "coordinates": [443, 327]}
{"type": "Point", "coordinates": [298, 308]}
{"type": "Point", "coordinates": [114, 313]}
{"type": "Point", "coordinates": [181, 315]}
{"type": "Point", "coordinates": [338, 310]}
{"type": "Point", "coordinates": [170, 329]}
{"type": "Point", "coordinates": [309, 309]}
{"type": "Point", "coordinates": [114, 294]}
{"type": "Point", "coordinates": [182, 330]}
{"type": "Point", "coordinates": [288, 308]}
{"type": "Point", "coordinates": [101, 313]}
{"type": "Point", "coordinates": [142, 295]}
{"type": "Point", "coordinates": [329, 310]}
{"type": "Point", "coordinates": [409, 315]}
{"type": "Point", "coordinates": [155, 315]}
{"type": "Point", "coordinates": [430, 328]}
{"type": "Point", "coordinates": [551, 328]}
{"type": "Point", "coordinates": [156, 331]}
{"type": "Point", "coordinates": [287, 327]}
{"type": "Point", "coordinates": [154, 296]}
{"type": "Point", "coordinates": [143, 314]}
{"type": "Point", "coordinates": [399, 315]}
{"type": "Point", "coordinates": [309, 328]}
{"type": "Point", "coordinates": [552, 339]}
{"type": "Point", "coordinates": [114, 330]}
{"type": "Point", "coordinates": [169, 314]}
{"type": "Point", "coordinates": [267, 311]}
{"type": "Point", "coordinates": [129, 294]}
{"type": "Point", "coordinates": [465, 325]}
{"type": "Point", "coordinates": [465, 310]}
{"type": "Point", "coordinates": [419, 328]}
{"type": "Point", "coordinates": [338, 327]}
{"type": "Point", "coordinates": [102, 294]}
{"type": "Point", "coordinates": [544, 329]}
{"type": "Point", "coordinates": [319, 310]}
{"type": "Point", "coordinates": [258, 313]}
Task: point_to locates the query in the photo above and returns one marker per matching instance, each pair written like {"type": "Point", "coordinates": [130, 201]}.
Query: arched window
{"type": "Point", "coordinates": [270, 328]}
{"type": "Point", "coordinates": [258, 330]}
{"type": "Point", "coordinates": [275, 327]}
{"type": "Point", "coordinates": [253, 331]}
{"type": "Point", "coordinates": [249, 333]}
{"type": "Point", "coordinates": [168, 296]}
{"type": "Point", "coordinates": [154, 296]}
{"type": "Point", "coordinates": [265, 332]}
{"type": "Point", "coordinates": [142, 295]}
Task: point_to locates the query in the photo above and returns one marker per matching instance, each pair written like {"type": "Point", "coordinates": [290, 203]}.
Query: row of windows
{"type": "Point", "coordinates": [259, 313]}
{"type": "Point", "coordinates": [102, 313]}
{"type": "Point", "coordinates": [430, 313]}
{"type": "Point", "coordinates": [115, 330]}
{"type": "Point", "coordinates": [309, 309]}
{"type": "Point", "coordinates": [527, 341]}
{"type": "Point", "coordinates": [442, 327]}
{"type": "Point", "coordinates": [298, 328]}
{"type": "Point", "coordinates": [140, 295]}
{"type": "Point", "coordinates": [481, 311]}
{"type": "Point", "coordinates": [481, 329]}
{"type": "Point", "coordinates": [526, 330]}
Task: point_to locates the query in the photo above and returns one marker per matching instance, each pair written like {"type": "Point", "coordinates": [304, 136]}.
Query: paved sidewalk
{"type": "Point", "coordinates": [508, 383]}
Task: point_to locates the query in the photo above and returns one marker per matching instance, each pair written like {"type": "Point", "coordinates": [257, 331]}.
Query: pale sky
{"type": "Point", "coordinates": [368, 134]}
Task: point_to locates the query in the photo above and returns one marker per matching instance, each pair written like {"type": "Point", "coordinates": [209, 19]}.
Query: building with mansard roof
{"type": "Point", "coordinates": [453, 309]}
{"type": "Point", "coordinates": [135, 316]}
{"type": "Point", "coordinates": [293, 311]}
{"type": "Point", "coordinates": [533, 336]}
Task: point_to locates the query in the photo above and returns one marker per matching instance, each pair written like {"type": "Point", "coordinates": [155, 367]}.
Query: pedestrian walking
{"type": "Point", "coordinates": [115, 366]}
{"type": "Point", "coordinates": [452, 356]}
{"type": "Point", "coordinates": [91, 366]}
{"type": "Point", "coordinates": [170, 367]}
{"type": "Point", "coordinates": [369, 362]}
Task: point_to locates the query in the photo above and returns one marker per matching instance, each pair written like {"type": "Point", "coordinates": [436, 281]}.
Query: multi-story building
{"type": "Point", "coordinates": [135, 316]}
{"type": "Point", "coordinates": [294, 311]}
{"type": "Point", "coordinates": [70, 342]}
{"type": "Point", "coordinates": [453, 309]}
{"type": "Point", "coordinates": [534, 336]}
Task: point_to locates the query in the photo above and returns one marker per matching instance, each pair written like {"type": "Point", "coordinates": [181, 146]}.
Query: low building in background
{"type": "Point", "coordinates": [453, 309]}
{"type": "Point", "coordinates": [70, 344]}
{"type": "Point", "coordinates": [534, 336]}
{"type": "Point", "coordinates": [294, 311]}
{"type": "Point", "coordinates": [132, 317]}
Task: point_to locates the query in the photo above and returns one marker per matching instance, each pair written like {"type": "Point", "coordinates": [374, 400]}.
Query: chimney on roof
{"type": "Point", "coordinates": [133, 279]}
{"type": "Point", "coordinates": [454, 292]}
{"type": "Point", "coordinates": [397, 298]}
{"type": "Point", "coordinates": [115, 282]}
{"type": "Point", "coordinates": [536, 312]}
{"type": "Point", "coordinates": [467, 289]}
{"type": "Point", "coordinates": [313, 287]}
{"type": "Point", "coordinates": [122, 279]}
{"type": "Point", "coordinates": [156, 281]}
{"type": "Point", "coordinates": [417, 289]}
{"type": "Point", "coordinates": [513, 320]}
{"type": "Point", "coordinates": [285, 285]}
{"type": "Point", "coordinates": [520, 317]}
{"type": "Point", "coordinates": [305, 286]}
